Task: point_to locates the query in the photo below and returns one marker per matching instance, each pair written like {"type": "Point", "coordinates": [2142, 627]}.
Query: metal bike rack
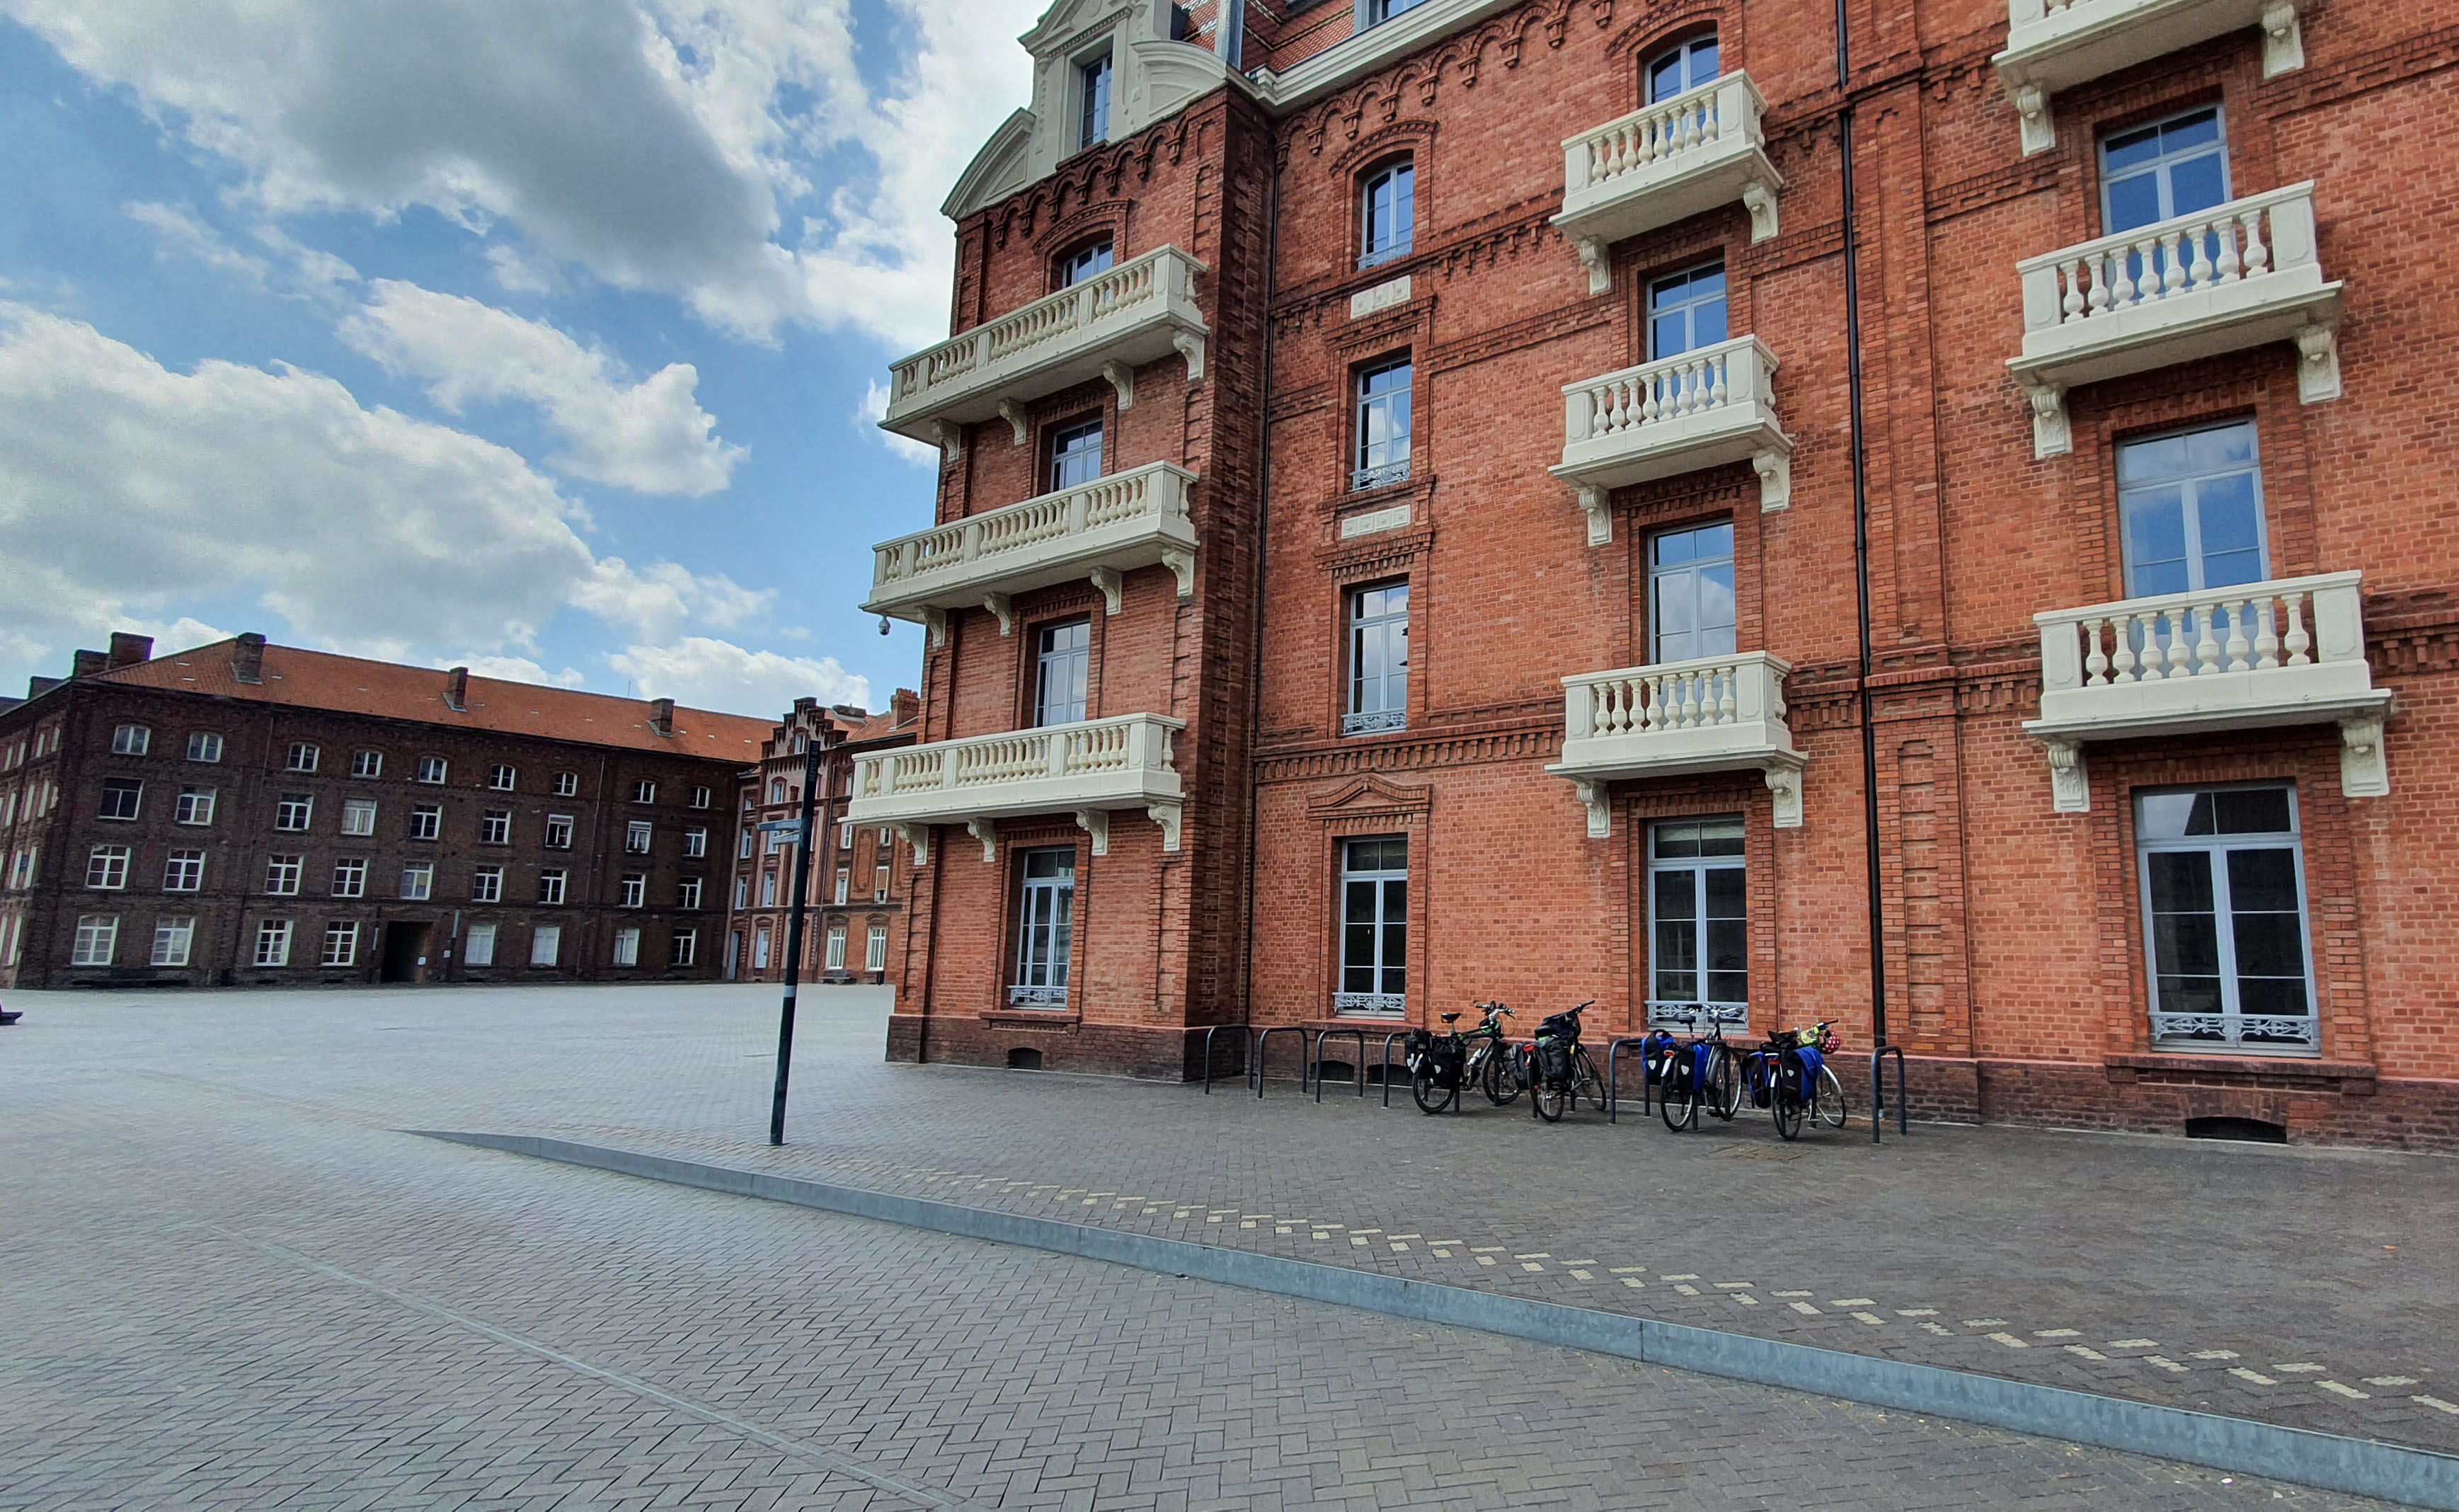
{"type": "Point", "coordinates": [1209, 1034]}
{"type": "Point", "coordinates": [1613, 1076]}
{"type": "Point", "coordinates": [1877, 1103]}
{"type": "Point", "coordinates": [1389, 1040]}
{"type": "Point", "coordinates": [1263, 1041]}
{"type": "Point", "coordinates": [1359, 1064]}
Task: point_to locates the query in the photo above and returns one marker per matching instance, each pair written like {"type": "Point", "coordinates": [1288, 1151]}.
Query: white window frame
{"type": "Point", "coordinates": [699, 797]}
{"type": "Point", "coordinates": [567, 784]}
{"type": "Point", "coordinates": [303, 757]}
{"type": "Point", "coordinates": [1376, 703]}
{"type": "Point", "coordinates": [174, 939]}
{"type": "Point", "coordinates": [874, 951]}
{"type": "Point", "coordinates": [1728, 1010]}
{"type": "Point", "coordinates": [1400, 238]}
{"type": "Point", "coordinates": [1067, 705]}
{"type": "Point", "coordinates": [204, 746]}
{"type": "Point", "coordinates": [695, 843]}
{"type": "Point", "coordinates": [845, 885]}
{"type": "Point", "coordinates": [689, 890]}
{"type": "Point", "coordinates": [2181, 1031]}
{"type": "Point", "coordinates": [196, 807]}
{"type": "Point", "coordinates": [637, 836]}
{"type": "Point", "coordinates": [97, 940]}
{"type": "Point", "coordinates": [183, 872]}
{"type": "Point", "coordinates": [478, 948]}
{"type": "Point", "coordinates": [426, 822]}
{"type": "Point", "coordinates": [496, 827]}
{"type": "Point", "coordinates": [367, 763]}
{"type": "Point", "coordinates": [358, 816]}
{"type": "Point", "coordinates": [131, 740]}
{"type": "Point", "coordinates": [417, 881]}
{"type": "Point", "coordinates": [116, 785]}
{"type": "Point", "coordinates": [1382, 462]}
{"type": "Point", "coordinates": [434, 771]}
{"type": "Point", "coordinates": [350, 877]}
{"type": "Point", "coordinates": [1669, 581]}
{"type": "Point", "coordinates": [1096, 99]}
{"type": "Point", "coordinates": [487, 884]}
{"type": "Point", "coordinates": [546, 945]}
{"type": "Point", "coordinates": [645, 790]}
{"type": "Point", "coordinates": [552, 887]}
{"type": "Point", "coordinates": [106, 869]}
{"type": "Point", "coordinates": [1377, 999]}
{"type": "Point", "coordinates": [1042, 955]}
{"type": "Point", "coordinates": [683, 948]}
{"type": "Point", "coordinates": [558, 833]}
{"type": "Point", "coordinates": [627, 947]}
{"type": "Point", "coordinates": [284, 875]}
{"type": "Point", "coordinates": [294, 813]}
{"type": "Point", "coordinates": [836, 956]}
{"type": "Point", "coordinates": [636, 890]}
{"type": "Point", "coordinates": [340, 947]}
{"type": "Point", "coordinates": [501, 778]}
{"type": "Point", "coordinates": [272, 944]}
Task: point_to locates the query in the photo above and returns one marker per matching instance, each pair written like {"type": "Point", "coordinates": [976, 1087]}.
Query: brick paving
{"type": "Point", "coordinates": [230, 1282]}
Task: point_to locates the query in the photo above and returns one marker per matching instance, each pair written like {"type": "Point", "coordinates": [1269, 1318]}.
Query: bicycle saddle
{"type": "Point", "coordinates": [1451, 1018]}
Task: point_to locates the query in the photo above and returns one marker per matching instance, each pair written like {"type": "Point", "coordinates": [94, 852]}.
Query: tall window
{"type": "Point", "coordinates": [1374, 927]}
{"type": "Point", "coordinates": [1062, 673]}
{"type": "Point", "coordinates": [682, 948]}
{"type": "Point", "coordinates": [1681, 67]}
{"type": "Point", "coordinates": [1699, 917]}
{"type": "Point", "coordinates": [2169, 168]}
{"type": "Point", "coordinates": [1093, 118]}
{"type": "Point", "coordinates": [636, 890]}
{"type": "Point", "coordinates": [350, 877]}
{"type": "Point", "coordinates": [341, 945]}
{"type": "Point", "coordinates": [879, 882]}
{"type": "Point", "coordinates": [760, 949]}
{"type": "Point", "coordinates": [1382, 426]}
{"type": "Point", "coordinates": [546, 944]}
{"type": "Point", "coordinates": [695, 843]}
{"type": "Point", "coordinates": [2192, 508]}
{"type": "Point", "coordinates": [687, 893]}
{"type": "Point", "coordinates": [183, 872]}
{"type": "Point", "coordinates": [1092, 260]}
{"type": "Point", "coordinates": [2225, 910]}
{"type": "Point", "coordinates": [627, 947]}
{"type": "Point", "coordinates": [174, 938]}
{"type": "Point", "coordinates": [550, 890]}
{"type": "Point", "coordinates": [1046, 929]}
{"type": "Point", "coordinates": [1685, 311]}
{"type": "Point", "coordinates": [479, 950]}
{"type": "Point", "coordinates": [1379, 660]}
{"type": "Point", "coordinates": [836, 955]}
{"type": "Point", "coordinates": [1389, 212]}
{"type": "Point", "coordinates": [1690, 594]}
{"type": "Point", "coordinates": [874, 951]}
{"type": "Point", "coordinates": [97, 940]}
{"type": "Point", "coordinates": [273, 942]}
{"type": "Point", "coordinates": [845, 884]}
{"type": "Point", "coordinates": [1075, 456]}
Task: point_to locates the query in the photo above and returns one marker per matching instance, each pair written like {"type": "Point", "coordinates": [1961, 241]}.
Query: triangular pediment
{"type": "Point", "coordinates": [998, 170]}
{"type": "Point", "coordinates": [1070, 17]}
{"type": "Point", "coordinates": [1370, 794]}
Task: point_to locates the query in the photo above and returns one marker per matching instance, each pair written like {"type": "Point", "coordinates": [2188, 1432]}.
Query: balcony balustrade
{"type": "Point", "coordinates": [1099, 531]}
{"type": "Point", "coordinates": [1088, 769]}
{"type": "Point", "coordinates": [1701, 409]}
{"type": "Point", "coordinates": [2052, 44]}
{"type": "Point", "coordinates": [2250, 657]}
{"type": "Point", "coordinates": [2239, 275]}
{"type": "Point", "coordinates": [1666, 162]}
{"type": "Point", "coordinates": [1106, 326]}
{"type": "Point", "coordinates": [1712, 714]}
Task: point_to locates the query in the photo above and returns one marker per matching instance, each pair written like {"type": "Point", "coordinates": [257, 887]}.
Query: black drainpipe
{"type": "Point", "coordinates": [1262, 540]}
{"type": "Point", "coordinates": [1861, 538]}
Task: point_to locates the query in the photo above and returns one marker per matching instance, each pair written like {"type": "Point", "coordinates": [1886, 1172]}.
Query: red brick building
{"type": "Point", "coordinates": [856, 897]}
{"type": "Point", "coordinates": [1397, 542]}
{"type": "Point", "coordinates": [256, 814]}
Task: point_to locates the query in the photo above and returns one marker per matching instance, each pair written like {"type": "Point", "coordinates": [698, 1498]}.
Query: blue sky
{"type": "Point", "coordinates": [538, 337]}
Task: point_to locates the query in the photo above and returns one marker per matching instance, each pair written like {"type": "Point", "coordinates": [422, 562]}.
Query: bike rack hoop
{"type": "Point", "coordinates": [1389, 1040]}
{"type": "Point", "coordinates": [1877, 1100]}
{"type": "Point", "coordinates": [1208, 1035]}
{"type": "Point", "coordinates": [1320, 1036]}
{"type": "Point", "coordinates": [1262, 1042]}
{"type": "Point", "coordinates": [1613, 1075]}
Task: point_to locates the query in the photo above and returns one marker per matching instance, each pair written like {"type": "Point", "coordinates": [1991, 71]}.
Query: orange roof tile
{"type": "Point", "coordinates": [318, 680]}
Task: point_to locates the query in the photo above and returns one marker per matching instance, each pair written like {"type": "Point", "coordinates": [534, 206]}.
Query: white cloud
{"type": "Point", "coordinates": [873, 410]}
{"type": "Point", "coordinates": [127, 489]}
{"type": "Point", "coordinates": [651, 436]}
{"type": "Point", "coordinates": [660, 144]}
{"type": "Point", "coordinates": [181, 232]}
{"type": "Point", "coordinates": [720, 675]}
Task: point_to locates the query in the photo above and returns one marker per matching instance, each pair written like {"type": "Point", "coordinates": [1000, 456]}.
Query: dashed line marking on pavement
{"type": "Point", "coordinates": [2165, 1364]}
{"type": "Point", "coordinates": [2391, 1380]}
{"type": "Point", "coordinates": [2213, 1354]}
{"type": "Point", "coordinates": [1806, 1310]}
{"type": "Point", "coordinates": [1850, 1302]}
{"type": "Point", "coordinates": [2009, 1340]}
{"type": "Point", "coordinates": [2134, 1344]}
{"type": "Point", "coordinates": [2349, 1392]}
{"type": "Point", "coordinates": [2437, 1404]}
{"type": "Point", "coordinates": [1871, 1318]}
{"type": "Point", "coordinates": [1985, 1323]}
{"type": "Point", "coordinates": [1916, 1311]}
{"type": "Point", "coordinates": [2057, 1332]}
{"type": "Point", "coordinates": [2301, 1368]}
{"type": "Point", "coordinates": [2085, 1351]}
{"type": "Point", "coordinates": [2256, 1377]}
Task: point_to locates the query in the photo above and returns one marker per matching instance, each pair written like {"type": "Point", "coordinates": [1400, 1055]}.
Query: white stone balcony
{"type": "Point", "coordinates": [1098, 532]}
{"type": "Point", "coordinates": [2238, 275]}
{"type": "Point", "coordinates": [1087, 770]}
{"type": "Point", "coordinates": [1713, 714]}
{"type": "Point", "coordinates": [2053, 45]}
{"type": "Point", "coordinates": [1103, 328]}
{"type": "Point", "coordinates": [2256, 656]}
{"type": "Point", "coordinates": [1666, 162]}
{"type": "Point", "coordinates": [1701, 409]}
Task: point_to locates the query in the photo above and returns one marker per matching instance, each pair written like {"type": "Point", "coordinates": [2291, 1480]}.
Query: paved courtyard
{"type": "Point", "coordinates": [228, 1279]}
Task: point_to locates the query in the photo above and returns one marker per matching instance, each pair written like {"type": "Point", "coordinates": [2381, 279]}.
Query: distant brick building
{"type": "Point", "coordinates": [245, 813]}
{"type": "Point", "coordinates": [1396, 543]}
{"type": "Point", "coordinates": [855, 899]}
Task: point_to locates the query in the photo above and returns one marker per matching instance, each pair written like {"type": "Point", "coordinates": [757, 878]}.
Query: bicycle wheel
{"type": "Point", "coordinates": [1829, 1107]}
{"type": "Point", "coordinates": [1501, 1079]}
{"type": "Point", "coordinates": [1723, 1095]}
{"type": "Point", "coordinates": [1547, 1100]}
{"type": "Point", "coordinates": [1431, 1097]}
{"type": "Point", "coordinates": [1584, 1080]}
{"type": "Point", "coordinates": [1677, 1103]}
{"type": "Point", "coordinates": [1792, 1099]}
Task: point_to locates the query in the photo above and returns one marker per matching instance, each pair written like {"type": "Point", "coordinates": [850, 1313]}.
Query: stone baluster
{"type": "Point", "coordinates": [2121, 649]}
{"type": "Point", "coordinates": [2200, 275]}
{"type": "Point", "coordinates": [2172, 271]}
{"type": "Point", "coordinates": [2266, 637]}
{"type": "Point", "coordinates": [2070, 305]}
{"type": "Point", "coordinates": [2299, 641]}
{"type": "Point", "coordinates": [2095, 662]}
{"type": "Point", "coordinates": [2258, 255]}
{"type": "Point", "coordinates": [2239, 649]}
{"type": "Point", "coordinates": [1729, 707]}
{"type": "Point", "coordinates": [2207, 644]}
{"type": "Point", "coordinates": [1722, 369]}
{"type": "Point", "coordinates": [2175, 622]}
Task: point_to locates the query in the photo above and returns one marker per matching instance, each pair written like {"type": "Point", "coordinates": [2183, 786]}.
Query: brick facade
{"type": "Point", "coordinates": [2015, 942]}
{"type": "Point", "coordinates": [565, 797]}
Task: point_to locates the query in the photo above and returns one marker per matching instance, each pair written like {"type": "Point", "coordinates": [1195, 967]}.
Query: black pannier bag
{"type": "Point", "coordinates": [1445, 1060]}
{"type": "Point", "coordinates": [1414, 1048]}
{"type": "Point", "coordinates": [1561, 1026]}
{"type": "Point", "coordinates": [1554, 1061]}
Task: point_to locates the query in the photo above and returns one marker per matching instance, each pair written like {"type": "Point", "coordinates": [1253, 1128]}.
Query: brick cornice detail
{"type": "Point", "coordinates": [1531, 740]}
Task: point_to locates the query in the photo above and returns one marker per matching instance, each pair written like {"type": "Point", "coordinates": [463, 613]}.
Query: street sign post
{"type": "Point", "coordinates": [802, 829]}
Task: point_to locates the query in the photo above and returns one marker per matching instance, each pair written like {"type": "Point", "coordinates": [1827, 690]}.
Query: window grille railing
{"type": "Point", "coordinates": [2236, 1030]}
{"type": "Point", "coordinates": [1364, 480]}
{"type": "Point", "coordinates": [1035, 996]}
{"type": "Point", "coordinates": [1379, 1005]}
{"type": "Point", "coordinates": [1378, 722]}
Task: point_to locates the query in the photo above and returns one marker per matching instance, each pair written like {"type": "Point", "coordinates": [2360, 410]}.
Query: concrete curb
{"type": "Point", "coordinates": [2329, 1462]}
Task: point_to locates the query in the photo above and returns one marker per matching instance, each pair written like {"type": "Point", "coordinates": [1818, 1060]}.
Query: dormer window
{"type": "Point", "coordinates": [1389, 212]}
{"type": "Point", "coordinates": [1093, 84]}
{"type": "Point", "coordinates": [1089, 261]}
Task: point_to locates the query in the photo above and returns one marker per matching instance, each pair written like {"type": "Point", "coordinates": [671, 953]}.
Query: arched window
{"type": "Point", "coordinates": [1388, 211]}
{"type": "Point", "coordinates": [1087, 260]}
{"type": "Point", "coordinates": [1685, 67]}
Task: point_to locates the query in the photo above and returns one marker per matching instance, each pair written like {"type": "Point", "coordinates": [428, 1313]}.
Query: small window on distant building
{"type": "Point", "coordinates": [487, 884]}
{"type": "Point", "coordinates": [281, 874]}
{"type": "Point", "coordinates": [644, 791]}
{"type": "Point", "coordinates": [130, 740]}
{"type": "Point", "coordinates": [503, 778]}
{"type": "Point", "coordinates": [341, 945]}
{"type": "Point", "coordinates": [874, 954]}
{"type": "Point", "coordinates": [559, 832]}
{"type": "Point", "coordinates": [367, 763]}
{"type": "Point", "coordinates": [350, 878]}
{"type": "Point", "coordinates": [836, 955]}
{"type": "Point", "coordinates": [358, 816]}
{"type": "Point", "coordinates": [636, 890]}
{"type": "Point", "coordinates": [687, 893]}
{"type": "Point", "coordinates": [683, 948]}
{"type": "Point", "coordinates": [204, 747]}
{"type": "Point", "coordinates": [546, 945]}
{"type": "Point", "coordinates": [567, 784]}
{"type": "Point", "coordinates": [431, 770]}
{"type": "Point", "coordinates": [699, 797]}
{"type": "Point", "coordinates": [551, 888]}
{"type": "Point", "coordinates": [294, 812]}
{"type": "Point", "coordinates": [418, 881]}
{"type": "Point", "coordinates": [302, 758]}
{"type": "Point", "coordinates": [121, 798]}
{"type": "Point", "coordinates": [1093, 117]}
{"type": "Point", "coordinates": [174, 938]}
{"type": "Point", "coordinates": [97, 940]}
{"type": "Point", "coordinates": [481, 948]}
{"type": "Point", "coordinates": [183, 872]}
{"type": "Point", "coordinates": [627, 947]}
{"type": "Point", "coordinates": [273, 942]}
{"type": "Point", "coordinates": [196, 807]}
{"type": "Point", "coordinates": [496, 827]}
{"type": "Point", "coordinates": [695, 843]}
{"type": "Point", "coordinates": [1389, 212]}
{"type": "Point", "coordinates": [426, 822]}
{"type": "Point", "coordinates": [636, 837]}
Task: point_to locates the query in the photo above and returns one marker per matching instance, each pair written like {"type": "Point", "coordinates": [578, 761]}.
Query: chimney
{"type": "Point", "coordinates": [87, 663]}
{"type": "Point", "coordinates": [37, 686]}
{"type": "Point", "coordinates": [248, 658]}
{"type": "Point", "coordinates": [456, 690]}
{"type": "Point", "coordinates": [129, 650]}
{"type": "Point", "coordinates": [661, 716]}
{"type": "Point", "coordinates": [906, 705]}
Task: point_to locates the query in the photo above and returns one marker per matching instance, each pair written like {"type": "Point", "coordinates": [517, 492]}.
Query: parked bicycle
{"type": "Point", "coordinates": [1790, 1076]}
{"type": "Point", "coordinates": [1693, 1074]}
{"type": "Point", "coordinates": [1440, 1065]}
{"type": "Point", "coordinates": [1559, 1067]}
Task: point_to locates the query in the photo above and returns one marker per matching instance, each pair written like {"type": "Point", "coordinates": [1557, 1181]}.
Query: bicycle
{"type": "Point", "coordinates": [1790, 1076]}
{"type": "Point", "coordinates": [1440, 1065]}
{"type": "Point", "coordinates": [1695, 1074]}
{"type": "Point", "coordinates": [1559, 1068]}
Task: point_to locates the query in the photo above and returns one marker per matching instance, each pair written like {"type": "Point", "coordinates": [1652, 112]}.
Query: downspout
{"type": "Point", "coordinates": [1263, 548]}
{"type": "Point", "coordinates": [1861, 540]}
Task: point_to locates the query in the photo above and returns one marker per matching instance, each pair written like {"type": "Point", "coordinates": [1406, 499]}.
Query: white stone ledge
{"type": "Point", "coordinates": [1709, 714]}
{"type": "Point", "coordinates": [1088, 769]}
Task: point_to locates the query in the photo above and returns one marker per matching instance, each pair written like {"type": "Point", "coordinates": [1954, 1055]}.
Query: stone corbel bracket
{"type": "Point", "coordinates": [2284, 42]}
{"type": "Point", "coordinates": [1191, 347]}
{"type": "Point", "coordinates": [997, 605]}
{"type": "Point", "coordinates": [935, 620]}
{"type": "Point", "coordinates": [1592, 798]}
{"type": "Point", "coordinates": [1784, 784]}
{"type": "Point", "coordinates": [2032, 123]}
{"type": "Point", "coordinates": [2051, 433]}
{"type": "Point", "coordinates": [1017, 421]}
{"type": "Point", "coordinates": [1182, 566]}
{"type": "Point", "coordinates": [1121, 378]}
{"type": "Point", "coordinates": [1113, 588]}
{"type": "Point", "coordinates": [1758, 197]}
{"type": "Point", "coordinates": [2069, 784]}
{"type": "Point", "coordinates": [1096, 822]}
{"type": "Point", "coordinates": [985, 831]}
{"type": "Point", "coordinates": [1598, 503]}
{"type": "Point", "coordinates": [2364, 766]}
{"type": "Point", "coordinates": [1776, 480]}
{"type": "Point", "coordinates": [1599, 266]}
{"type": "Point", "coordinates": [2318, 364]}
{"type": "Point", "coordinates": [951, 440]}
{"type": "Point", "coordinates": [1166, 815]}
{"type": "Point", "coordinates": [917, 837]}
